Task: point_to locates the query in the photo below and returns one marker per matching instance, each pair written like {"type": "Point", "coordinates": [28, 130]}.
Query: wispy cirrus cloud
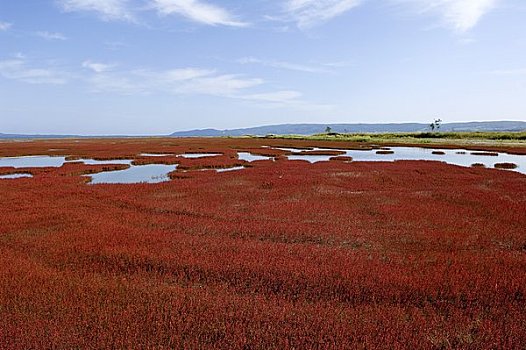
{"type": "Point", "coordinates": [285, 99]}
{"type": "Point", "coordinates": [5, 26]}
{"type": "Point", "coordinates": [275, 97]}
{"type": "Point", "coordinates": [18, 69]}
{"type": "Point", "coordinates": [197, 81]}
{"type": "Point", "coordinates": [105, 78]}
{"type": "Point", "coordinates": [51, 36]}
{"type": "Point", "coordinates": [175, 81]}
{"type": "Point", "coordinates": [285, 65]}
{"type": "Point", "coordinates": [227, 85]}
{"type": "Point", "coordinates": [97, 67]}
{"type": "Point", "coordinates": [308, 13]}
{"type": "Point", "coordinates": [198, 11]}
{"type": "Point", "coordinates": [459, 15]}
{"type": "Point", "coordinates": [108, 10]}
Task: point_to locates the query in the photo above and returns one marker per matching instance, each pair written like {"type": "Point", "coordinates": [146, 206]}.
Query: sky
{"type": "Point", "coordinates": [151, 67]}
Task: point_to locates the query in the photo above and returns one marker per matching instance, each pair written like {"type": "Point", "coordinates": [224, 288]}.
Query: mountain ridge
{"type": "Point", "coordinates": [309, 129]}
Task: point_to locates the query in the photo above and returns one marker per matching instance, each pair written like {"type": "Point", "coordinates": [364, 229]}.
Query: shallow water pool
{"type": "Point", "coordinates": [32, 161]}
{"type": "Point", "coordinates": [14, 176]}
{"type": "Point", "coordinates": [199, 155]}
{"type": "Point", "coordinates": [151, 173]}
{"type": "Point", "coordinates": [459, 157]}
{"type": "Point", "coordinates": [249, 157]}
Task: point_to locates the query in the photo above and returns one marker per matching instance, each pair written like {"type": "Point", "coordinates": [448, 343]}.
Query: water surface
{"type": "Point", "coordinates": [151, 173]}
{"type": "Point", "coordinates": [32, 161]}
{"type": "Point", "coordinates": [15, 176]}
{"type": "Point", "coordinates": [156, 154]}
{"type": "Point", "coordinates": [199, 155]}
{"type": "Point", "coordinates": [107, 161]}
{"type": "Point", "coordinates": [249, 157]}
{"type": "Point", "coordinates": [230, 169]}
{"type": "Point", "coordinates": [459, 157]}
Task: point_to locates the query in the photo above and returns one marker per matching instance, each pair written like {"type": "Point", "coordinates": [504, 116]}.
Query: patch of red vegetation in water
{"type": "Point", "coordinates": [342, 158]}
{"type": "Point", "coordinates": [318, 153]}
{"type": "Point", "coordinates": [281, 255]}
{"type": "Point", "coordinates": [505, 165]}
{"type": "Point", "coordinates": [490, 154]}
{"type": "Point", "coordinates": [72, 169]}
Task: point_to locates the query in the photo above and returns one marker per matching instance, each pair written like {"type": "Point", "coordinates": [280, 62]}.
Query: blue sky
{"type": "Point", "coordinates": [157, 66]}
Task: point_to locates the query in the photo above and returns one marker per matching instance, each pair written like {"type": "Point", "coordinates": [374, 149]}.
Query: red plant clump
{"type": "Point", "coordinates": [281, 255]}
{"type": "Point", "coordinates": [318, 153]}
{"type": "Point", "coordinates": [505, 165]}
{"type": "Point", "coordinates": [342, 158]}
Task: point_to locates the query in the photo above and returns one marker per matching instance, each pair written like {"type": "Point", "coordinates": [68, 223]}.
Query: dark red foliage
{"type": "Point", "coordinates": [491, 154]}
{"type": "Point", "coordinates": [281, 255]}
{"type": "Point", "coordinates": [342, 158]}
{"type": "Point", "coordinates": [505, 165]}
{"type": "Point", "coordinates": [318, 153]}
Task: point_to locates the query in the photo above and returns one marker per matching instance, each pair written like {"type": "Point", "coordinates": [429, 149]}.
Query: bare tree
{"type": "Point", "coordinates": [435, 125]}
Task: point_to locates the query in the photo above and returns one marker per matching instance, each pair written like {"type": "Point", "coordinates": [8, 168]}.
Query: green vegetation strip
{"type": "Point", "coordinates": [413, 137]}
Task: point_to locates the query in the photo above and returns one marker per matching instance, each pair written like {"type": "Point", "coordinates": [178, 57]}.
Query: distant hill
{"type": "Point", "coordinates": [309, 129]}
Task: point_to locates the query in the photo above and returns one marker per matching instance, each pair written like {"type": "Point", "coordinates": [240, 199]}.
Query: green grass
{"type": "Point", "coordinates": [413, 137]}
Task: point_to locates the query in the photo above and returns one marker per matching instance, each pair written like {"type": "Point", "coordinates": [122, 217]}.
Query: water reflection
{"type": "Point", "coordinates": [459, 157]}
{"type": "Point", "coordinates": [249, 157]}
{"type": "Point", "coordinates": [15, 176]}
{"type": "Point", "coordinates": [199, 155]}
{"type": "Point", "coordinates": [99, 162]}
{"type": "Point", "coordinates": [151, 173]}
{"type": "Point", "coordinates": [32, 161]}
{"type": "Point", "coordinates": [230, 169]}
{"type": "Point", "coordinates": [156, 154]}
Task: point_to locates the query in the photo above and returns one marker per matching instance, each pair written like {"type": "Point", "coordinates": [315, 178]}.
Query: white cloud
{"type": "Point", "coordinates": [285, 99]}
{"type": "Point", "coordinates": [275, 97]}
{"type": "Point", "coordinates": [106, 9]}
{"type": "Point", "coordinates": [102, 78]}
{"type": "Point", "coordinates": [112, 83]}
{"type": "Point", "coordinates": [340, 64]}
{"type": "Point", "coordinates": [198, 11]}
{"type": "Point", "coordinates": [307, 13]}
{"type": "Point", "coordinates": [97, 67]}
{"type": "Point", "coordinates": [5, 25]}
{"type": "Point", "coordinates": [51, 36]}
{"type": "Point", "coordinates": [221, 85]}
{"type": "Point", "coordinates": [18, 69]}
{"type": "Point", "coordinates": [198, 81]}
{"type": "Point", "coordinates": [174, 81]}
{"type": "Point", "coordinates": [283, 65]}
{"type": "Point", "coordinates": [460, 15]}
{"type": "Point", "coordinates": [183, 74]}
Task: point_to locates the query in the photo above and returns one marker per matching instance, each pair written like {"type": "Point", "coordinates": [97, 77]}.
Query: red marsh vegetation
{"type": "Point", "coordinates": [280, 255]}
